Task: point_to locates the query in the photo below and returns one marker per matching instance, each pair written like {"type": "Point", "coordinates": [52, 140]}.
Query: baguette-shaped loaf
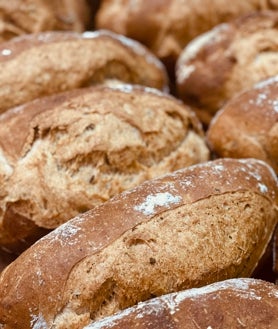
{"type": "Point", "coordinates": [30, 16]}
{"type": "Point", "coordinates": [80, 148]}
{"type": "Point", "coordinates": [46, 63]}
{"type": "Point", "coordinates": [166, 26]}
{"type": "Point", "coordinates": [228, 59]}
{"type": "Point", "coordinates": [247, 126]}
{"type": "Point", "coordinates": [235, 303]}
{"type": "Point", "coordinates": [189, 228]}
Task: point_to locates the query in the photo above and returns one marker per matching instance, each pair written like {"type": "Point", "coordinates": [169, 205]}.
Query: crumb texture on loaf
{"type": "Point", "coordinates": [195, 226]}
{"type": "Point", "coordinates": [247, 126]}
{"type": "Point", "coordinates": [80, 148]}
{"type": "Point", "coordinates": [227, 60]}
{"type": "Point", "coordinates": [234, 303]}
{"type": "Point", "coordinates": [36, 65]}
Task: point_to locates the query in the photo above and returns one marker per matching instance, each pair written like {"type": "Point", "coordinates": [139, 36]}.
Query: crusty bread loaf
{"type": "Point", "coordinates": [31, 16]}
{"type": "Point", "coordinates": [166, 26]}
{"type": "Point", "coordinates": [41, 64]}
{"type": "Point", "coordinates": [235, 303]}
{"type": "Point", "coordinates": [247, 126]}
{"type": "Point", "coordinates": [227, 60]}
{"type": "Point", "coordinates": [80, 148]}
{"type": "Point", "coordinates": [189, 228]}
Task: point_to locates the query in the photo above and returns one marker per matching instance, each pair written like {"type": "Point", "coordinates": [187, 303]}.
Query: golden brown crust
{"type": "Point", "coordinates": [166, 26]}
{"type": "Point", "coordinates": [29, 16]}
{"type": "Point", "coordinates": [227, 60]}
{"type": "Point", "coordinates": [133, 246]}
{"type": "Point", "coordinates": [42, 64]}
{"type": "Point", "coordinates": [247, 126]}
{"type": "Point", "coordinates": [82, 147]}
{"type": "Point", "coordinates": [235, 303]}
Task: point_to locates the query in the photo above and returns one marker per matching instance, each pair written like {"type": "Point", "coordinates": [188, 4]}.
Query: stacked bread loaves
{"type": "Point", "coordinates": [82, 147]}
{"type": "Point", "coordinates": [169, 234]}
{"type": "Point", "coordinates": [32, 16]}
{"type": "Point", "coordinates": [227, 60]}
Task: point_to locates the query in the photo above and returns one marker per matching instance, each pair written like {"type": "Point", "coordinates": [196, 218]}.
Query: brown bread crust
{"type": "Point", "coordinates": [198, 225]}
{"type": "Point", "coordinates": [33, 16]}
{"type": "Point", "coordinates": [166, 26]}
{"type": "Point", "coordinates": [228, 59]}
{"type": "Point", "coordinates": [46, 63]}
{"type": "Point", "coordinates": [82, 147]}
{"type": "Point", "coordinates": [235, 303]}
{"type": "Point", "coordinates": [247, 126]}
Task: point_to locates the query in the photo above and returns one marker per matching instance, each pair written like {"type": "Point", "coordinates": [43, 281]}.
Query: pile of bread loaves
{"type": "Point", "coordinates": [138, 164]}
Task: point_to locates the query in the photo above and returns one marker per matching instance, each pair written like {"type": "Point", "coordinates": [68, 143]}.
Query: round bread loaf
{"type": "Point", "coordinates": [235, 303]}
{"type": "Point", "coordinates": [166, 26]}
{"type": "Point", "coordinates": [227, 60]}
{"type": "Point", "coordinates": [80, 148]}
{"type": "Point", "coordinates": [201, 224]}
{"type": "Point", "coordinates": [32, 16]}
{"type": "Point", "coordinates": [247, 126]}
{"type": "Point", "coordinates": [42, 64]}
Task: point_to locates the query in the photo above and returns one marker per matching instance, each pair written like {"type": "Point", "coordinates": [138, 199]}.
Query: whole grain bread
{"type": "Point", "coordinates": [46, 63]}
{"type": "Point", "coordinates": [235, 303]}
{"type": "Point", "coordinates": [205, 223]}
{"type": "Point", "coordinates": [166, 26]}
{"type": "Point", "coordinates": [247, 126]}
{"type": "Point", "coordinates": [230, 58]}
{"type": "Point", "coordinates": [32, 16]}
{"type": "Point", "coordinates": [79, 148]}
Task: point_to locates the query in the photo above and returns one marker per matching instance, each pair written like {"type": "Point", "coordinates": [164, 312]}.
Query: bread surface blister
{"type": "Point", "coordinates": [195, 226]}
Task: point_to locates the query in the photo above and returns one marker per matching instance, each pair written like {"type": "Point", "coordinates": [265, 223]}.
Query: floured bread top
{"type": "Point", "coordinates": [227, 60]}
{"type": "Point", "coordinates": [27, 16]}
{"type": "Point", "coordinates": [247, 126]}
{"type": "Point", "coordinates": [46, 63]}
{"type": "Point", "coordinates": [80, 148]}
{"type": "Point", "coordinates": [223, 302]}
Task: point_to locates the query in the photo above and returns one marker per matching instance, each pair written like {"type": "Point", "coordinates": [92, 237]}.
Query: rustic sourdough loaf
{"type": "Point", "coordinates": [247, 126]}
{"type": "Point", "coordinates": [80, 148]}
{"type": "Point", "coordinates": [227, 60]}
{"type": "Point", "coordinates": [30, 16]}
{"type": "Point", "coordinates": [46, 63]}
{"type": "Point", "coordinates": [205, 223]}
{"type": "Point", "coordinates": [235, 303]}
{"type": "Point", "coordinates": [166, 26]}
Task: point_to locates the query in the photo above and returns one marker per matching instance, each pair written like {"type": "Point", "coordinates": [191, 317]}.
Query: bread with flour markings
{"type": "Point", "coordinates": [80, 148]}
{"type": "Point", "coordinates": [228, 59]}
{"type": "Point", "coordinates": [235, 303]}
{"type": "Point", "coordinates": [46, 63]}
{"type": "Point", "coordinates": [189, 228]}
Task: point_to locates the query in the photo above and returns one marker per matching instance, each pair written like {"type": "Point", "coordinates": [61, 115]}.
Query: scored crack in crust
{"type": "Point", "coordinates": [80, 148]}
{"type": "Point", "coordinates": [195, 226]}
{"type": "Point", "coordinates": [46, 63]}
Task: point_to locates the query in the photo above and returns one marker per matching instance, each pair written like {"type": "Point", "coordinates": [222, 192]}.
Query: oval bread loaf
{"type": "Point", "coordinates": [80, 148]}
{"type": "Point", "coordinates": [235, 303]}
{"type": "Point", "coordinates": [166, 26]}
{"type": "Point", "coordinates": [46, 63]}
{"type": "Point", "coordinates": [189, 228]}
{"type": "Point", "coordinates": [30, 16]}
{"type": "Point", "coordinates": [247, 126]}
{"type": "Point", "coordinates": [227, 60]}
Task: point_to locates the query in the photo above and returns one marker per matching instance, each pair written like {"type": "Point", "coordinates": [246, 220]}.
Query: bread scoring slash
{"type": "Point", "coordinates": [204, 223]}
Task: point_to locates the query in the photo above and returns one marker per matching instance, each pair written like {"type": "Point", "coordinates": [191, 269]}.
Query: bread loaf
{"type": "Point", "coordinates": [42, 64]}
{"type": "Point", "coordinates": [167, 26]}
{"type": "Point", "coordinates": [235, 303]}
{"type": "Point", "coordinates": [205, 223]}
{"type": "Point", "coordinates": [80, 148]}
{"type": "Point", "coordinates": [31, 16]}
{"type": "Point", "coordinates": [247, 126]}
{"type": "Point", "coordinates": [227, 60]}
